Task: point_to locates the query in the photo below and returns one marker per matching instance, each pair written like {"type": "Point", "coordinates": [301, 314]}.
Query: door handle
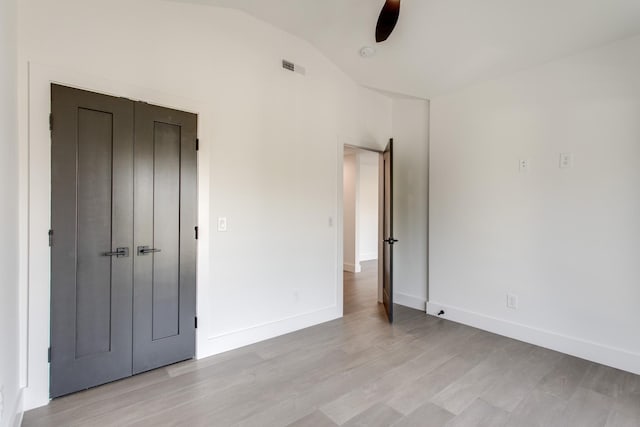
{"type": "Point", "coordinates": [146, 250]}
{"type": "Point", "coordinates": [119, 252]}
{"type": "Point", "coordinates": [390, 240]}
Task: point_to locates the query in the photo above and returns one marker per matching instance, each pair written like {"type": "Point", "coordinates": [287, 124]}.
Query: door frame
{"type": "Point", "coordinates": [339, 221]}
{"type": "Point", "coordinates": [35, 208]}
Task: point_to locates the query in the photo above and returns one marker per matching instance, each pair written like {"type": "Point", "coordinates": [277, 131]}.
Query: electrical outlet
{"type": "Point", "coordinates": [512, 301]}
{"type": "Point", "coordinates": [523, 165]}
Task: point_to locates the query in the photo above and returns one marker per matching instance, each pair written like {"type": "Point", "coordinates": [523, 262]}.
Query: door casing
{"type": "Point", "coordinates": [34, 205]}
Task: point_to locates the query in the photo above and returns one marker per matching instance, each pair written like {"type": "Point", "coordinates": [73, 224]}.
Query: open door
{"type": "Point", "coordinates": [389, 241]}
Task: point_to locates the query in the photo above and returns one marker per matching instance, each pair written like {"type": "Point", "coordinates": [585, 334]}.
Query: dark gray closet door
{"type": "Point", "coordinates": [92, 223]}
{"type": "Point", "coordinates": [164, 222]}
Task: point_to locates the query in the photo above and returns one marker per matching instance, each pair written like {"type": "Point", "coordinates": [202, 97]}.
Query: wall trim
{"type": "Point", "coordinates": [35, 169]}
{"type": "Point", "coordinates": [584, 349]}
{"type": "Point", "coordinates": [368, 256]}
{"type": "Point", "coordinates": [18, 411]}
{"type": "Point", "coordinates": [227, 341]}
{"type": "Point", "coordinates": [352, 268]}
{"type": "Point", "coordinates": [409, 301]}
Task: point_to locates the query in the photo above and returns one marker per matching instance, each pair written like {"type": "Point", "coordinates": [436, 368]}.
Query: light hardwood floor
{"type": "Point", "coordinates": [360, 371]}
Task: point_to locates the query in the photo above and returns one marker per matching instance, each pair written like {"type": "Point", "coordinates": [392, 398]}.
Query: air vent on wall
{"type": "Point", "coordinates": [287, 65]}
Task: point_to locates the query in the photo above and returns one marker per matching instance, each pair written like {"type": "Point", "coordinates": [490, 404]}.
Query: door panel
{"type": "Point", "coordinates": [389, 241]}
{"type": "Point", "coordinates": [165, 217]}
{"type": "Point", "coordinates": [91, 216]}
{"type": "Point", "coordinates": [94, 177]}
{"type": "Point", "coordinates": [166, 231]}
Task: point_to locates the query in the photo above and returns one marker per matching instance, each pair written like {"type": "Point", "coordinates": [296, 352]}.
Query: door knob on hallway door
{"type": "Point", "coordinates": [145, 250]}
{"type": "Point", "coordinates": [390, 240]}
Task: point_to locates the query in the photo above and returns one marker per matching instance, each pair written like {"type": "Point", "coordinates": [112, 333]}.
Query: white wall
{"type": "Point", "coordinates": [350, 194]}
{"type": "Point", "coordinates": [368, 169]}
{"type": "Point", "coordinates": [270, 158]}
{"type": "Point", "coordinates": [10, 405]}
{"type": "Point", "coordinates": [410, 198]}
{"type": "Point", "coordinates": [565, 241]}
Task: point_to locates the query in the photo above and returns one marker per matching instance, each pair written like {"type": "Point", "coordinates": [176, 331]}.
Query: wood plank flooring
{"type": "Point", "coordinates": [360, 371]}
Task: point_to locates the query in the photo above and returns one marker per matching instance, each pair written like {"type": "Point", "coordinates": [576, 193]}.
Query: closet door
{"type": "Point", "coordinates": [164, 234]}
{"type": "Point", "coordinates": [91, 253]}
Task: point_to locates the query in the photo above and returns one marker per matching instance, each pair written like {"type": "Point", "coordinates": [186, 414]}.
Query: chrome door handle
{"type": "Point", "coordinates": [119, 252]}
{"type": "Point", "coordinates": [146, 250]}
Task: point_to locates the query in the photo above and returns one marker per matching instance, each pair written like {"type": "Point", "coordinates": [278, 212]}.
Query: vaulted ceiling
{"type": "Point", "coordinates": [442, 45]}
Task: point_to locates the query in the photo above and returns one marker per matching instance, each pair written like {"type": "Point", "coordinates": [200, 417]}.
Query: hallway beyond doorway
{"type": "Point", "coordinates": [361, 289]}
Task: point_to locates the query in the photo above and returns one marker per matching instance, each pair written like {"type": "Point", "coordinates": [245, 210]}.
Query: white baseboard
{"type": "Point", "coordinates": [352, 268]}
{"type": "Point", "coordinates": [409, 301]}
{"type": "Point", "coordinates": [18, 411]}
{"type": "Point", "coordinates": [231, 340]}
{"type": "Point", "coordinates": [368, 256]}
{"type": "Point", "coordinates": [595, 352]}
{"type": "Point", "coordinates": [34, 398]}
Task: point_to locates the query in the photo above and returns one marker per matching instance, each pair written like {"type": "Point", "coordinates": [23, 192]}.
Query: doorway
{"type": "Point", "coordinates": [123, 249]}
{"type": "Point", "coordinates": [363, 228]}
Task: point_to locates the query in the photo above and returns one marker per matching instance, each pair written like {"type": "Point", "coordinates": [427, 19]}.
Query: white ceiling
{"type": "Point", "coordinates": [442, 45]}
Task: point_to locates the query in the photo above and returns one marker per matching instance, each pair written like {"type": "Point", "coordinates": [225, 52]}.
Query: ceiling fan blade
{"type": "Point", "coordinates": [387, 20]}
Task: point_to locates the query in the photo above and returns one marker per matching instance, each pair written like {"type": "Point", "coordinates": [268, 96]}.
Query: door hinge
{"type": "Point", "coordinates": [49, 355]}
{"type": "Point", "coordinates": [196, 229]}
{"type": "Point", "coordinates": [196, 322]}
{"type": "Point", "coordinates": [50, 238]}
{"type": "Point", "coordinates": [197, 144]}
{"type": "Point", "coordinates": [50, 121]}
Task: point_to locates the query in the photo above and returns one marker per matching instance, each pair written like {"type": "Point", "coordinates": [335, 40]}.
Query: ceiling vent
{"type": "Point", "coordinates": [287, 65]}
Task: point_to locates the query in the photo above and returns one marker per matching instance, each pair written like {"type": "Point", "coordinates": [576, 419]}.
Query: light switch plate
{"type": "Point", "coordinates": [566, 160]}
{"type": "Point", "coordinates": [222, 224]}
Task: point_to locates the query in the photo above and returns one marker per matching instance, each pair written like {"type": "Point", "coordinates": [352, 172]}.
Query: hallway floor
{"type": "Point", "coordinates": [360, 371]}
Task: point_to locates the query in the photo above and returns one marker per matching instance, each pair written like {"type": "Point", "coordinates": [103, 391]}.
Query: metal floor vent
{"type": "Point", "coordinates": [287, 65]}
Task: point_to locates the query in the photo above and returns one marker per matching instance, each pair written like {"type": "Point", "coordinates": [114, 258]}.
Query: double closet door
{"type": "Point", "coordinates": [123, 248]}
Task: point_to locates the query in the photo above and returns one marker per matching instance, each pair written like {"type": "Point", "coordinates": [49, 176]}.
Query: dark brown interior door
{"type": "Point", "coordinates": [91, 257]}
{"type": "Point", "coordinates": [165, 247]}
{"type": "Point", "coordinates": [389, 240]}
